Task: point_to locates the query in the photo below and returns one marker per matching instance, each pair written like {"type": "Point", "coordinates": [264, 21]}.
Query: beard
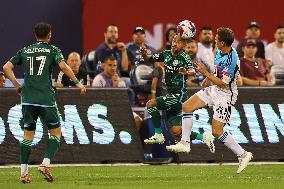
{"type": "Point", "coordinates": [111, 40]}
{"type": "Point", "coordinates": [281, 41]}
{"type": "Point", "coordinates": [207, 41]}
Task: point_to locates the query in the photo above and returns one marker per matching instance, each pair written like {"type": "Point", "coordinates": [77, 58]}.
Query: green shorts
{"type": "Point", "coordinates": [49, 116]}
{"type": "Point", "coordinates": [172, 105]}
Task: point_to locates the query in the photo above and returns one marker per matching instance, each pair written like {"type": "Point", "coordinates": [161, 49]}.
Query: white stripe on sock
{"type": "Point", "coordinates": [231, 143]}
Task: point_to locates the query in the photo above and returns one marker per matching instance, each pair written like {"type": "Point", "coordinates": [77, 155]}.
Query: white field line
{"type": "Point", "coordinates": [142, 164]}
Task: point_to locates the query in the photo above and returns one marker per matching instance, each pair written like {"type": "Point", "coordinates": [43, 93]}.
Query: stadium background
{"type": "Point", "coordinates": [79, 25]}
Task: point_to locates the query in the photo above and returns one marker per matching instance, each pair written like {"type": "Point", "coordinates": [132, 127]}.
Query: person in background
{"type": "Point", "coordinates": [252, 32]}
{"type": "Point", "coordinates": [139, 40]}
{"type": "Point", "coordinates": [109, 77]}
{"type": "Point", "coordinates": [192, 49]}
{"type": "Point", "coordinates": [274, 52]}
{"type": "Point", "coordinates": [74, 61]}
{"type": "Point", "coordinates": [205, 51]}
{"type": "Point", "coordinates": [169, 35]}
{"type": "Point", "coordinates": [111, 47]}
{"type": "Point", "coordinates": [254, 71]}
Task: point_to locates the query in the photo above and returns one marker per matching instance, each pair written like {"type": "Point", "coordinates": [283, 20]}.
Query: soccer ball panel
{"type": "Point", "coordinates": [186, 29]}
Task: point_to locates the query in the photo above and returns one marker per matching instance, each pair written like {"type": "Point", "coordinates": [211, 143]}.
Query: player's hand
{"type": "Point", "coordinates": [82, 88]}
{"type": "Point", "coordinates": [182, 71]}
{"type": "Point", "coordinates": [121, 46]}
{"type": "Point", "coordinates": [143, 50]}
{"type": "Point", "coordinates": [191, 72]}
{"type": "Point", "coordinates": [201, 68]}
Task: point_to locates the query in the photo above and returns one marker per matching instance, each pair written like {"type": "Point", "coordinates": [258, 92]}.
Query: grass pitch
{"type": "Point", "coordinates": [152, 177]}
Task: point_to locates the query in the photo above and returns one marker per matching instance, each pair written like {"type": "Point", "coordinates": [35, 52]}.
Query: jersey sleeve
{"type": "Point", "coordinates": [17, 59]}
{"type": "Point", "coordinates": [57, 55]}
{"type": "Point", "coordinates": [187, 63]}
{"type": "Point", "coordinates": [232, 66]}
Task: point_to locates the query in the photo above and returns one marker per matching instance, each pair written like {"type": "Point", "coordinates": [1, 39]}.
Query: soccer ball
{"type": "Point", "coordinates": [186, 29]}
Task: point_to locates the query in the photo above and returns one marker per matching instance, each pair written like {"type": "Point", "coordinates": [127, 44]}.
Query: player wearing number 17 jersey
{"type": "Point", "coordinates": [38, 95]}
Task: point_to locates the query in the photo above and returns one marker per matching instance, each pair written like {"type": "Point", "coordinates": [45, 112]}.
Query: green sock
{"type": "Point", "coordinates": [158, 130]}
{"type": "Point", "coordinates": [52, 147]}
{"type": "Point", "coordinates": [26, 146]}
{"type": "Point", "coordinates": [156, 118]}
{"type": "Point", "coordinates": [199, 136]}
{"type": "Point", "coordinates": [195, 135]}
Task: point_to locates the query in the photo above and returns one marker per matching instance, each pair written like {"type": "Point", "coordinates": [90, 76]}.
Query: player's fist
{"type": "Point", "coordinates": [182, 71]}
{"type": "Point", "coordinates": [201, 68]}
{"type": "Point", "coordinates": [143, 50]}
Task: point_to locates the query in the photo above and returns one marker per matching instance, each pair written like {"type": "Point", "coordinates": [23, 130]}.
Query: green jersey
{"type": "Point", "coordinates": [38, 61]}
{"type": "Point", "coordinates": [175, 82]}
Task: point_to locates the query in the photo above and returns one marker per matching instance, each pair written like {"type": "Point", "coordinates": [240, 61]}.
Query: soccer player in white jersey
{"type": "Point", "coordinates": [221, 95]}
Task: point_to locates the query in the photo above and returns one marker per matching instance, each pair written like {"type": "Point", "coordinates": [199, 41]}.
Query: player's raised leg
{"type": "Point", "coordinates": [228, 140]}
{"type": "Point", "coordinates": [188, 107]}
{"type": "Point", "coordinates": [158, 137]}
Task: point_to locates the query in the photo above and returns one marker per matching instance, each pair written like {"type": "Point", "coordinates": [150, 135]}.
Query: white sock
{"type": "Point", "coordinates": [227, 139]}
{"type": "Point", "coordinates": [187, 123]}
{"type": "Point", "coordinates": [45, 161]}
{"type": "Point", "coordinates": [24, 169]}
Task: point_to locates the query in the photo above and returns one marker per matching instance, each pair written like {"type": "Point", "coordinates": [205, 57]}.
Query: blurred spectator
{"type": "Point", "coordinates": [139, 40]}
{"type": "Point", "coordinates": [2, 80]}
{"type": "Point", "coordinates": [112, 48]}
{"type": "Point", "coordinates": [74, 61]}
{"type": "Point", "coordinates": [158, 86]}
{"type": "Point", "coordinates": [274, 52]}
{"type": "Point", "coordinates": [109, 77]}
{"type": "Point", "coordinates": [252, 32]}
{"type": "Point", "coordinates": [192, 49]}
{"type": "Point", "coordinates": [170, 33]}
{"type": "Point", "coordinates": [254, 71]}
{"type": "Point", "coordinates": [205, 47]}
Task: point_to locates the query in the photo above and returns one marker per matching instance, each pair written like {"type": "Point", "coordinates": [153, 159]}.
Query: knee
{"type": "Point", "coordinates": [29, 135]}
{"type": "Point", "coordinates": [186, 108]}
{"type": "Point", "coordinates": [151, 103]}
{"type": "Point", "coordinates": [56, 132]}
{"type": "Point", "coordinates": [176, 131]}
{"type": "Point", "coordinates": [217, 133]}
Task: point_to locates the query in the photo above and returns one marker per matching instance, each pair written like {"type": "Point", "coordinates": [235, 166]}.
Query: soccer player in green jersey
{"type": "Point", "coordinates": [38, 95]}
{"type": "Point", "coordinates": [178, 67]}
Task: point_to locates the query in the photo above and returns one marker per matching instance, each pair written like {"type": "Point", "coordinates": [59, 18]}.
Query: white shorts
{"type": "Point", "coordinates": [220, 101]}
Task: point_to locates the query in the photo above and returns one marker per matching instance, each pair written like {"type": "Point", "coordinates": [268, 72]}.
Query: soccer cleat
{"type": "Point", "coordinates": [25, 178]}
{"type": "Point", "coordinates": [179, 147]}
{"type": "Point", "coordinates": [45, 170]}
{"type": "Point", "coordinates": [156, 139]}
{"type": "Point", "coordinates": [207, 138]}
{"type": "Point", "coordinates": [243, 161]}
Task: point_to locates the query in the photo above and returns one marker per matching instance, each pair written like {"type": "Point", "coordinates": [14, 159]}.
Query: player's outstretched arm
{"type": "Point", "coordinates": [215, 80]}
{"type": "Point", "coordinates": [8, 70]}
{"type": "Point", "coordinates": [143, 51]}
{"type": "Point", "coordinates": [67, 70]}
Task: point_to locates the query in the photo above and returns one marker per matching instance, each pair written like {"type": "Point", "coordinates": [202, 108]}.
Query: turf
{"type": "Point", "coordinates": [166, 176]}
